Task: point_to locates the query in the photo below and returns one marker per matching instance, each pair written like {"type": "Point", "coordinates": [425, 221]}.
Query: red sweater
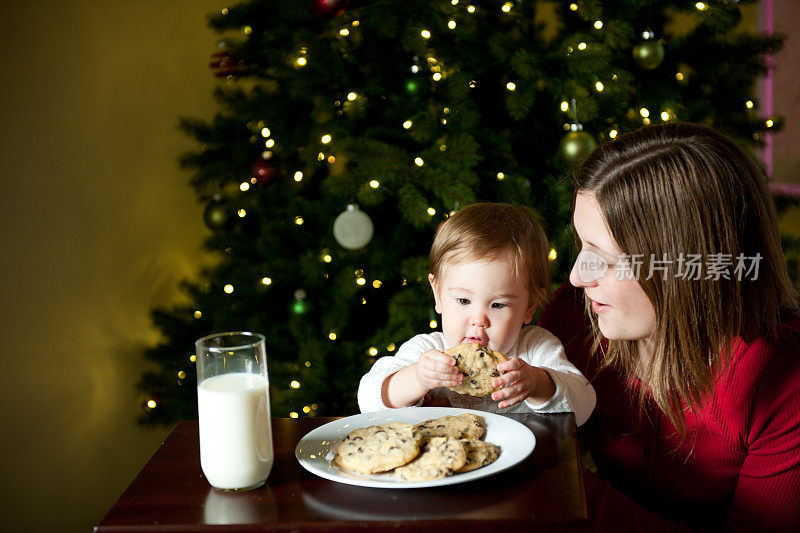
{"type": "Point", "coordinates": [739, 468]}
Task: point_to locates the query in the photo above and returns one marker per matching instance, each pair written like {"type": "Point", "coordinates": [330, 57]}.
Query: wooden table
{"type": "Point", "coordinates": [544, 492]}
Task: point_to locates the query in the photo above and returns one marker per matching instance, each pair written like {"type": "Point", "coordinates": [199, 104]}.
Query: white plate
{"type": "Point", "coordinates": [316, 450]}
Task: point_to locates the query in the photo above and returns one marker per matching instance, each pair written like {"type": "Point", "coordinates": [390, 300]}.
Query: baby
{"type": "Point", "coordinates": [489, 274]}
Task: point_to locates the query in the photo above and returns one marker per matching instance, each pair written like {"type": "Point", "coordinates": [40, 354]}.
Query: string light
{"type": "Point", "coordinates": [407, 124]}
{"type": "Point", "coordinates": [701, 6]}
{"type": "Point", "coordinates": [198, 314]}
{"type": "Point", "coordinates": [325, 139]}
{"type": "Point", "coordinates": [749, 104]}
{"type": "Point", "coordinates": [151, 404]}
{"type": "Point", "coordinates": [470, 9]}
{"type": "Point", "coordinates": [373, 351]}
{"type": "Point", "coordinates": [193, 358]}
{"type": "Point", "coordinates": [769, 123]}
{"type": "Point", "coordinates": [599, 86]}
{"type": "Point", "coordinates": [224, 11]}
{"type": "Point", "coordinates": [351, 96]}
{"type": "Point", "coordinates": [294, 384]}
{"type": "Point", "coordinates": [679, 76]}
{"type": "Point", "coordinates": [500, 176]}
{"type": "Point", "coordinates": [301, 62]}
{"type": "Point", "coordinates": [564, 106]}
{"type": "Point", "coordinates": [344, 32]}
{"type": "Point", "coordinates": [418, 161]}
{"type": "Point", "coordinates": [266, 280]}
{"type": "Point", "coordinates": [377, 284]}
{"type": "Point", "coordinates": [242, 213]}
{"type": "Point", "coordinates": [433, 324]}
{"type": "Point", "coordinates": [247, 30]}
{"type": "Point", "coordinates": [299, 220]}
{"type": "Point", "coordinates": [665, 116]}
{"type": "Point", "coordinates": [436, 76]}
{"type": "Point", "coordinates": [326, 258]}
{"type": "Point", "coordinates": [552, 255]}
{"type": "Point", "coordinates": [306, 409]}
{"type": "Point", "coordinates": [573, 7]}
{"type": "Point", "coordinates": [293, 415]}
{"type": "Point", "coordinates": [332, 335]}
{"type": "Point", "coordinates": [431, 211]}
{"type": "Point", "coordinates": [644, 112]}
{"type": "Point", "coordinates": [298, 176]}
{"type": "Point", "coordinates": [228, 289]}
{"type": "Point", "coordinates": [425, 34]}
{"type": "Point", "coordinates": [391, 347]}
{"type": "Point", "coordinates": [360, 281]}
{"type": "Point", "coordinates": [598, 24]}
{"type": "Point", "coordinates": [581, 46]}
{"type": "Point", "coordinates": [374, 184]}
{"type": "Point", "coordinates": [506, 7]}
{"type": "Point", "coordinates": [511, 86]}
{"type": "Point", "coordinates": [181, 375]}
{"type": "Point", "coordinates": [270, 143]}
{"type": "Point", "coordinates": [612, 134]}
{"type": "Point", "coordinates": [265, 132]}
{"type": "Point", "coordinates": [451, 24]}
{"type": "Point", "coordinates": [244, 186]}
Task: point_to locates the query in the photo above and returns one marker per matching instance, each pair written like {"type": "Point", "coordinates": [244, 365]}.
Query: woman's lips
{"type": "Point", "coordinates": [598, 308]}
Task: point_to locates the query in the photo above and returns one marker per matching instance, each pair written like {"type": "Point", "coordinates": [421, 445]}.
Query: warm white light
{"type": "Point", "coordinates": [181, 375]}
{"type": "Point", "coordinates": [565, 106]}
{"type": "Point", "coordinates": [247, 30]}
{"type": "Point", "coordinates": [193, 358]}
{"type": "Point", "coordinates": [664, 116]}
{"type": "Point", "coordinates": [377, 284]}
{"type": "Point", "coordinates": [301, 62]}
{"type": "Point", "coordinates": [701, 6]}
{"type": "Point", "coordinates": [293, 415]}
{"type": "Point", "coordinates": [325, 139]}
{"type": "Point", "coordinates": [769, 123]}
{"type": "Point", "coordinates": [599, 86]}
{"type": "Point", "coordinates": [298, 176]}
{"type": "Point", "coordinates": [360, 281]}
{"type": "Point", "coordinates": [244, 186]}
{"type": "Point", "coordinates": [327, 258]}
{"type": "Point", "coordinates": [598, 24]}
{"type": "Point", "coordinates": [436, 76]}
{"type": "Point", "coordinates": [299, 220]}
{"type": "Point", "coordinates": [228, 288]}
{"type": "Point", "coordinates": [679, 76]}
{"type": "Point", "coordinates": [612, 134]}
{"type": "Point", "coordinates": [511, 86]}
{"type": "Point", "coordinates": [644, 112]}
{"type": "Point", "coordinates": [500, 176]}
{"type": "Point", "coordinates": [470, 9]}
{"type": "Point", "coordinates": [425, 34]}
{"type": "Point", "coordinates": [407, 124]}
{"type": "Point", "coordinates": [451, 24]}
{"type": "Point", "coordinates": [270, 143]}
{"type": "Point", "coordinates": [581, 46]}
{"type": "Point", "coordinates": [265, 132]}
{"type": "Point", "coordinates": [351, 96]}
{"type": "Point", "coordinates": [151, 404]}
{"type": "Point", "coordinates": [198, 314]}
{"type": "Point", "coordinates": [266, 281]}
{"type": "Point", "coordinates": [749, 104]}
{"type": "Point", "coordinates": [573, 7]}
{"type": "Point", "coordinates": [431, 211]}
{"type": "Point", "coordinates": [294, 384]}
{"type": "Point", "coordinates": [373, 351]}
{"type": "Point", "coordinates": [552, 255]}
{"type": "Point", "coordinates": [344, 32]}
{"type": "Point", "coordinates": [506, 7]}
{"type": "Point", "coordinates": [242, 213]}
{"type": "Point", "coordinates": [418, 161]}
{"type": "Point", "coordinates": [433, 324]}
{"type": "Point", "coordinates": [332, 335]}
{"type": "Point", "coordinates": [374, 184]}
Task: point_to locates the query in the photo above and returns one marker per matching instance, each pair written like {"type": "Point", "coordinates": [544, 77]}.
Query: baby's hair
{"type": "Point", "coordinates": [492, 230]}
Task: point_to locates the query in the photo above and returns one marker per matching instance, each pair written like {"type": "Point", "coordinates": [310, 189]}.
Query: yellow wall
{"type": "Point", "coordinates": [98, 226]}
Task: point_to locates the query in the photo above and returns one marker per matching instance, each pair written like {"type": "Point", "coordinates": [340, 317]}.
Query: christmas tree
{"type": "Point", "coordinates": [347, 131]}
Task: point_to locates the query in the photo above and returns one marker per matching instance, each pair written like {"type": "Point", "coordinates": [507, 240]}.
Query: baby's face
{"type": "Point", "coordinates": [482, 301]}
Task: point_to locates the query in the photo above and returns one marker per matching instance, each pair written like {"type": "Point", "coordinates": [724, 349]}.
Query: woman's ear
{"type": "Point", "coordinates": [435, 288]}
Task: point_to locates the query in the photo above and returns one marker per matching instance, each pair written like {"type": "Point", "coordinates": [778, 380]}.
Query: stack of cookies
{"type": "Point", "coordinates": [418, 452]}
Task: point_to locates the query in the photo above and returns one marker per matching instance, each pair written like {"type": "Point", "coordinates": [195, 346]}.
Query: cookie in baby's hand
{"type": "Point", "coordinates": [478, 365]}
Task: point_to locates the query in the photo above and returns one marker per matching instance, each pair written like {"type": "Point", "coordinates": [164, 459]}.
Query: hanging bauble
{"type": "Point", "coordinates": [330, 8]}
{"type": "Point", "coordinates": [353, 228]}
{"type": "Point", "coordinates": [649, 53]}
{"type": "Point", "coordinates": [216, 215]}
{"type": "Point", "coordinates": [576, 145]}
{"type": "Point", "coordinates": [300, 305]}
{"type": "Point", "coordinates": [226, 63]}
{"type": "Point", "coordinates": [413, 86]}
{"type": "Point", "coordinates": [264, 172]}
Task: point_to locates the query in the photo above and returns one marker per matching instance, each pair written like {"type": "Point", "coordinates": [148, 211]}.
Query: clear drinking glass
{"type": "Point", "coordinates": [233, 409]}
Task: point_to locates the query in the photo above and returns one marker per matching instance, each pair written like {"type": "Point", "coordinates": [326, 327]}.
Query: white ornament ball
{"type": "Point", "coordinates": [353, 228]}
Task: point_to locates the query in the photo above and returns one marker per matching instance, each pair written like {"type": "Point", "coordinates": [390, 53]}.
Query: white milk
{"type": "Point", "coordinates": [235, 430]}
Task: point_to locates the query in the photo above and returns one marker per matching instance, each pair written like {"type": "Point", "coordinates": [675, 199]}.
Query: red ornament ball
{"type": "Point", "coordinates": [226, 63]}
{"type": "Point", "coordinates": [264, 172]}
{"type": "Point", "coordinates": [330, 8]}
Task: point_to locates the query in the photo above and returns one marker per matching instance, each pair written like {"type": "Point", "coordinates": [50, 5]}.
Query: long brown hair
{"type": "Point", "coordinates": [670, 190]}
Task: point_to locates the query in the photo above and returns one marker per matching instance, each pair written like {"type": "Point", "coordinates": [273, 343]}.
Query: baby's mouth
{"type": "Point", "coordinates": [479, 340]}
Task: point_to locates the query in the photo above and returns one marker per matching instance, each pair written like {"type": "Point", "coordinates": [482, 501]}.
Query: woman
{"type": "Point", "coordinates": [695, 351]}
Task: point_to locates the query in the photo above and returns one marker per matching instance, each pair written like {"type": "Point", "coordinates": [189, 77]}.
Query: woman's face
{"type": "Point", "coordinates": [623, 310]}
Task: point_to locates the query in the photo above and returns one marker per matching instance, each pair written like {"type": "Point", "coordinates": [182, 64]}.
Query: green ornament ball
{"type": "Point", "coordinates": [648, 54]}
{"type": "Point", "coordinates": [299, 307]}
{"type": "Point", "coordinates": [575, 146]}
{"type": "Point", "coordinates": [413, 86]}
{"type": "Point", "coordinates": [216, 215]}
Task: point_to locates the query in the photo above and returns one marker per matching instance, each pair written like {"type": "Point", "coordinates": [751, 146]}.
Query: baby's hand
{"type": "Point", "coordinates": [520, 380]}
{"type": "Point", "coordinates": [436, 369]}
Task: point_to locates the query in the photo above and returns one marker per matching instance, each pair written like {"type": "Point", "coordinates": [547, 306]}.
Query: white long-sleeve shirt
{"type": "Point", "coordinates": [536, 346]}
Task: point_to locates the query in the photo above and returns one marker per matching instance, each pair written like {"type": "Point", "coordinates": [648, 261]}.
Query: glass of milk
{"type": "Point", "coordinates": [233, 409]}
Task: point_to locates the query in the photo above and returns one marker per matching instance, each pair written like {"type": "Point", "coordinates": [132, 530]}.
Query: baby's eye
{"type": "Point", "coordinates": [498, 305]}
{"type": "Point", "coordinates": [463, 301]}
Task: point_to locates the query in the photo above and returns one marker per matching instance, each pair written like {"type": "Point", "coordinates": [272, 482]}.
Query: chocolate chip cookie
{"type": "Point", "coordinates": [440, 457]}
{"type": "Point", "coordinates": [478, 365]}
{"type": "Point", "coordinates": [379, 448]}
{"type": "Point", "coordinates": [463, 426]}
